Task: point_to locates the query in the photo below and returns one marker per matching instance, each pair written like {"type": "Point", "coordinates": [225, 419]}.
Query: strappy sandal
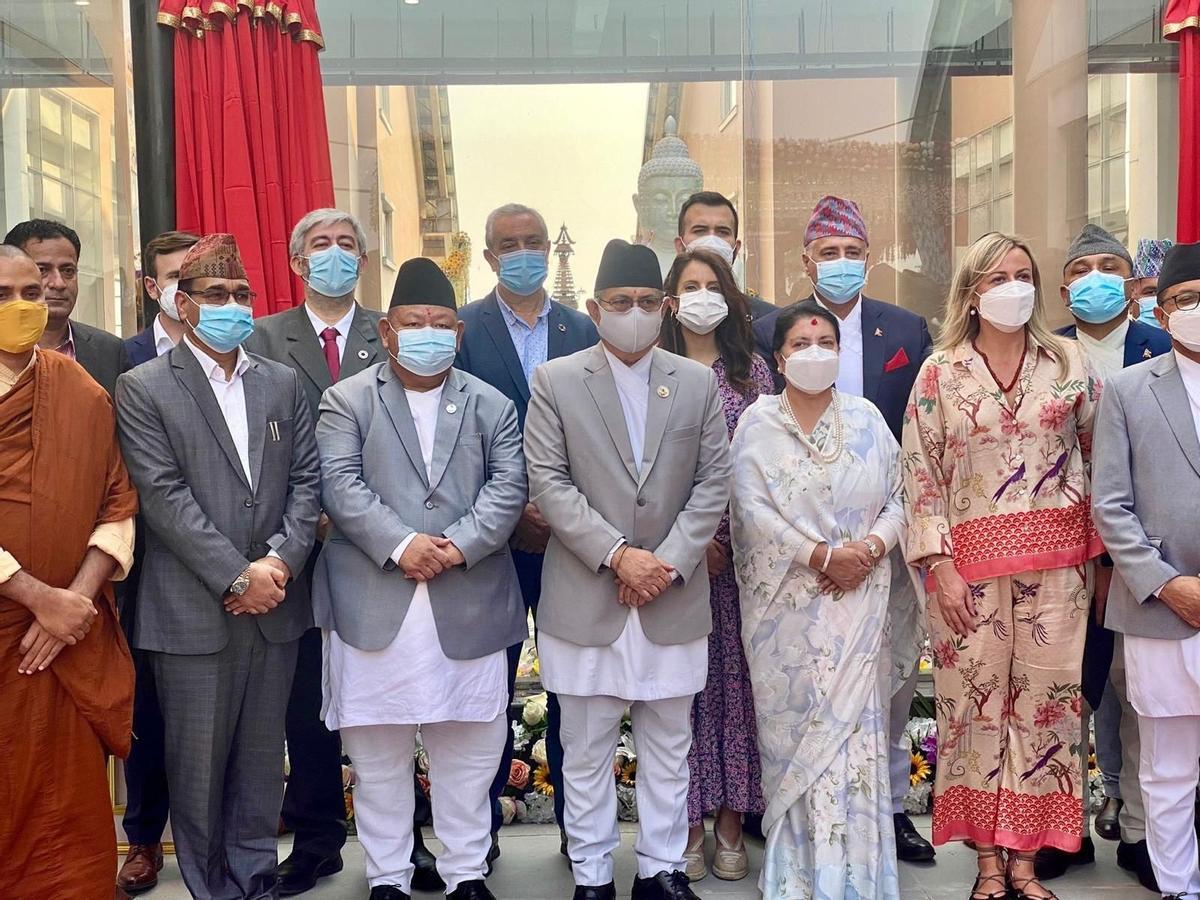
{"type": "Point", "coordinates": [1018, 886]}
{"type": "Point", "coordinates": [977, 892]}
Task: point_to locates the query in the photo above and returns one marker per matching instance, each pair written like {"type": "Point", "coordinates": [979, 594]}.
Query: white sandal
{"type": "Point", "coordinates": [731, 863]}
{"type": "Point", "coordinates": [695, 867]}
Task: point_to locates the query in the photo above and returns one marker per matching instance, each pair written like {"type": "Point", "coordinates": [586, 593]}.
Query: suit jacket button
{"type": "Point", "coordinates": [248, 502]}
{"type": "Point", "coordinates": [429, 504]}
{"type": "Point", "coordinates": [641, 501]}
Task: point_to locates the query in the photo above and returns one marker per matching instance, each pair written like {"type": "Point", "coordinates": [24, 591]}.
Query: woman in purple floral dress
{"type": "Point", "coordinates": [708, 322]}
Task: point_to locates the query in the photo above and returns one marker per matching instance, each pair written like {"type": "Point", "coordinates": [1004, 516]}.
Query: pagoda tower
{"type": "Point", "coordinates": [564, 282]}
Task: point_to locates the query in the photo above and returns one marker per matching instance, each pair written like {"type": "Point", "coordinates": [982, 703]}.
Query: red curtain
{"type": "Point", "coordinates": [251, 145]}
{"type": "Point", "coordinates": [1182, 24]}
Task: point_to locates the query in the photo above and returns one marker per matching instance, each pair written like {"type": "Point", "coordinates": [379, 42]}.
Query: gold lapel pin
{"type": "Point", "coordinates": [1146, 354]}
{"type": "Point", "coordinates": [878, 332]}
{"type": "Point", "coordinates": [664, 391]}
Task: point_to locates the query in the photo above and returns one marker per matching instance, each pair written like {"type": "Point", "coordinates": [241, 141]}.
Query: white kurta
{"type": "Point", "coordinates": [851, 379]}
{"type": "Point", "coordinates": [632, 667]}
{"type": "Point", "coordinates": [1106, 355]}
{"type": "Point", "coordinates": [412, 681]}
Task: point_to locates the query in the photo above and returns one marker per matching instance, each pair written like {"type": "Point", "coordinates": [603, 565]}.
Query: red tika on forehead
{"type": "Point", "coordinates": [813, 322]}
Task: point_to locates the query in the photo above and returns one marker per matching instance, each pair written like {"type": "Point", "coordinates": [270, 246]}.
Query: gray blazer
{"type": "Point", "coordinates": [101, 354]}
{"type": "Point", "coordinates": [205, 523]}
{"type": "Point", "coordinates": [583, 479]}
{"type": "Point", "coordinates": [376, 493]}
{"type": "Point", "coordinates": [1145, 481]}
{"type": "Point", "coordinates": [288, 337]}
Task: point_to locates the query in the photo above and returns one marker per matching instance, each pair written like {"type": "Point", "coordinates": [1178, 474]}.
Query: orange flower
{"type": "Point", "coordinates": [541, 781]}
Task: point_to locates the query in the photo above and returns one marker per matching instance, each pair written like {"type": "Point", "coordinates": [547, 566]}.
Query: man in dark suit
{"type": "Point", "coordinates": [55, 248]}
{"type": "Point", "coordinates": [709, 221]}
{"type": "Point", "coordinates": [506, 335]}
{"type": "Point", "coordinates": [883, 346]}
{"type": "Point", "coordinates": [222, 449]}
{"type": "Point", "coordinates": [329, 337]}
{"type": "Point", "coordinates": [147, 802]}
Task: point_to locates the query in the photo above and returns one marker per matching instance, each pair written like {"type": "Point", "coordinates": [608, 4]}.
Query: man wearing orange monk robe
{"type": "Point", "coordinates": [66, 678]}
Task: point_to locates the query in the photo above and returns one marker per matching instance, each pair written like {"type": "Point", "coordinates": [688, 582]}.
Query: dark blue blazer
{"type": "Point", "coordinates": [888, 376]}
{"type": "Point", "coordinates": [487, 350]}
{"type": "Point", "coordinates": [140, 347]}
{"type": "Point", "coordinates": [1142, 342]}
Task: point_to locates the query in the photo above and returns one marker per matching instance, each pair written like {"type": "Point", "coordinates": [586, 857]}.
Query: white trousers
{"type": "Point", "coordinates": [899, 754]}
{"type": "Point", "coordinates": [662, 733]}
{"type": "Point", "coordinates": [463, 758]}
{"type": "Point", "coordinates": [1169, 773]}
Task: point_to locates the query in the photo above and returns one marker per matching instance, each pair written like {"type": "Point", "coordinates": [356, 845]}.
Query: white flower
{"type": "Point", "coordinates": [534, 713]}
{"type": "Point", "coordinates": [538, 753]}
{"type": "Point", "coordinates": [520, 736]}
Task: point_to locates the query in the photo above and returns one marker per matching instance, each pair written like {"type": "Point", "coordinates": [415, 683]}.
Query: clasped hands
{"type": "Point", "coordinates": [268, 580]}
{"type": "Point", "coordinates": [428, 556]}
{"type": "Point", "coordinates": [640, 575]}
{"type": "Point", "coordinates": [848, 567]}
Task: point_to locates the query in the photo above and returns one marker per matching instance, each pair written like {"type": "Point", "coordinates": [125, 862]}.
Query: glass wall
{"type": "Point", "coordinates": [66, 140]}
{"type": "Point", "coordinates": [943, 119]}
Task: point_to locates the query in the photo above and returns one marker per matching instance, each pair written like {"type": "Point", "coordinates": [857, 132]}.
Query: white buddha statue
{"type": "Point", "coordinates": [665, 181]}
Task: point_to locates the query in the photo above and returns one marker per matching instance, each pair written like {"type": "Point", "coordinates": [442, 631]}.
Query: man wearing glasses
{"type": "Point", "coordinates": [1145, 477]}
{"type": "Point", "coordinates": [627, 452]}
{"type": "Point", "coordinates": [222, 450]}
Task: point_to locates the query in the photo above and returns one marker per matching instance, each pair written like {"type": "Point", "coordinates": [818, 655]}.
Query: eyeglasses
{"type": "Point", "coordinates": [219, 296]}
{"type": "Point", "coordinates": [1184, 301]}
{"type": "Point", "coordinates": [625, 304]}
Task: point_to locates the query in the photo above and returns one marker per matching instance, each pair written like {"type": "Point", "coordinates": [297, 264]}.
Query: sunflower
{"type": "Point", "coordinates": [541, 781]}
{"type": "Point", "coordinates": [920, 770]}
{"type": "Point", "coordinates": [628, 772]}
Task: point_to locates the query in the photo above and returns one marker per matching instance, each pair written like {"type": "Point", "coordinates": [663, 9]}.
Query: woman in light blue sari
{"type": "Point", "coordinates": [816, 509]}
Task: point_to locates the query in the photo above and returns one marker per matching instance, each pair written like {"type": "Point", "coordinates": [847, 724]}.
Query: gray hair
{"type": "Point", "coordinates": [510, 209]}
{"type": "Point", "coordinates": [320, 218]}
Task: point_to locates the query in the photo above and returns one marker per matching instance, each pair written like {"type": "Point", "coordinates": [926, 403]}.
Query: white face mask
{"type": "Point", "coordinates": [813, 369]}
{"type": "Point", "coordinates": [166, 301]}
{"type": "Point", "coordinates": [715, 244]}
{"type": "Point", "coordinates": [1008, 306]}
{"type": "Point", "coordinates": [629, 332]}
{"type": "Point", "coordinates": [701, 311]}
{"type": "Point", "coordinates": [1184, 326]}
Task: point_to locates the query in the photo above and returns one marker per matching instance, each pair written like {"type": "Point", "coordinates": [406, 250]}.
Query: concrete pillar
{"type": "Point", "coordinates": [1153, 116]}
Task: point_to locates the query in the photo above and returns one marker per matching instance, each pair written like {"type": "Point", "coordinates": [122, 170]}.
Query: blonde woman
{"type": "Point", "coordinates": [996, 458]}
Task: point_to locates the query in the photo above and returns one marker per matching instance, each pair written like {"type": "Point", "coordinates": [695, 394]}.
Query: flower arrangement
{"type": "Point", "coordinates": [457, 266]}
{"type": "Point", "coordinates": [921, 734]}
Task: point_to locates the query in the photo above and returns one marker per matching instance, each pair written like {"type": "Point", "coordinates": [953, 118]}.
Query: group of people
{"type": "Point", "coordinates": [328, 527]}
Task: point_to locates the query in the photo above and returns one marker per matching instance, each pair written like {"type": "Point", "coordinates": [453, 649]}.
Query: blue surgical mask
{"type": "Point", "coordinates": [1146, 308]}
{"type": "Point", "coordinates": [841, 280]}
{"type": "Point", "coordinates": [333, 272]}
{"type": "Point", "coordinates": [523, 271]}
{"type": "Point", "coordinates": [426, 351]}
{"type": "Point", "coordinates": [1097, 297]}
{"type": "Point", "coordinates": [224, 328]}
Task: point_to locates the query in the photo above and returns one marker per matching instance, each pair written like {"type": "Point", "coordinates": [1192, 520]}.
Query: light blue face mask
{"type": "Point", "coordinates": [1146, 308]}
{"type": "Point", "coordinates": [224, 328]}
{"type": "Point", "coordinates": [1097, 297]}
{"type": "Point", "coordinates": [523, 271]}
{"type": "Point", "coordinates": [841, 280]}
{"type": "Point", "coordinates": [426, 351]}
{"type": "Point", "coordinates": [333, 272]}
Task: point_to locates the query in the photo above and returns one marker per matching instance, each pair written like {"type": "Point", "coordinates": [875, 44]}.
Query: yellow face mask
{"type": "Point", "coordinates": [21, 325]}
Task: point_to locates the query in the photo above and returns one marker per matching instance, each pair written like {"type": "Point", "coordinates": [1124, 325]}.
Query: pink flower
{"type": "Point", "coordinates": [1048, 714]}
{"type": "Point", "coordinates": [518, 774]}
{"type": "Point", "coordinates": [1077, 704]}
{"type": "Point", "coordinates": [929, 383]}
{"type": "Point", "coordinates": [1053, 414]}
{"type": "Point", "coordinates": [945, 655]}
{"type": "Point", "coordinates": [1009, 426]}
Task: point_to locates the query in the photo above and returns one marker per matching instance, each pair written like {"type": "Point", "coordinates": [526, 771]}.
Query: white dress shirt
{"type": "Point", "coordinates": [412, 681]}
{"type": "Point", "coordinates": [163, 342]}
{"type": "Point", "coordinates": [1107, 355]}
{"type": "Point", "coordinates": [342, 325]}
{"type": "Point", "coordinates": [231, 398]}
{"type": "Point", "coordinates": [632, 667]}
{"type": "Point", "coordinates": [850, 367]}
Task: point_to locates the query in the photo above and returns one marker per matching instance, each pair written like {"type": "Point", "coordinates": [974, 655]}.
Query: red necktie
{"type": "Point", "coordinates": [329, 341]}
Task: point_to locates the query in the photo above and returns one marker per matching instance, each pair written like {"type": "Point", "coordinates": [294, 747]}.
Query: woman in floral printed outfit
{"type": "Point", "coordinates": [997, 446]}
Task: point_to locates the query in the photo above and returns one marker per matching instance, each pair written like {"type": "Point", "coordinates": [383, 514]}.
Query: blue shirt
{"type": "Point", "coordinates": [530, 342]}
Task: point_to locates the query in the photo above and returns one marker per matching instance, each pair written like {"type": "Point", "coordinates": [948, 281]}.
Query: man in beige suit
{"type": "Point", "coordinates": [628, 462]}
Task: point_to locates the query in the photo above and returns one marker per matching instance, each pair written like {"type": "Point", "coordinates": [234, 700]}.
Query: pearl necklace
{"type": "Point", "coordinates": [839, 434]}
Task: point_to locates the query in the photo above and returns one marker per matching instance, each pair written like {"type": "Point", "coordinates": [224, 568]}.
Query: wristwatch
{"type": "Point", "coordinates": [241, 584]}
{"type": "Point", "coordinates": [874, 549]}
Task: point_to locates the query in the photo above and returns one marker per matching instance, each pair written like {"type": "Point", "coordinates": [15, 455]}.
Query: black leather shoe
{"type": "Point", "coordinates": [1135, 858]}
{"type": "Point", "coordinates": [562, 843]}
{"type": "Point", "coordinates": [663, 886]}
{"type": "Point", "coordinates": [1107, 824]}
{"type": "Point", "coordinates": [1051, 862]}
{"type": "Point", "coordinates": [595, 892]}
{"type": "Point", "coordinates": [300, 871]}
{"type": "Point", "coordinates": [910, 846]}
{"type": "Point", "coordinates": [388, 892]}
{"type": "Point", "coordinates": [425, 877]}
{"type": "Point", "coordinates": [493, 854]}
{"type": "Point", "coordinates": [471, 890]}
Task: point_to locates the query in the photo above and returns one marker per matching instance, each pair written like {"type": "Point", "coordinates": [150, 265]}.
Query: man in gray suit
{"type": "Point", "coordinates": [222, 450]}
{"type": "Point", "coordinates": [424, 482]}
{"type": "Point", "coordinates": [326, 339]}
{"type": "Point", "coordinates": [55, 248]}
{"type": "Point", "coordinates": [1146, 474]}
{"type": "Point", "coordinates": [628, 461]}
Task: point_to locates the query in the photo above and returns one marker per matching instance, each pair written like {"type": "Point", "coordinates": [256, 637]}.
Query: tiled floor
{"type": "Point", "coordinates": [531, 869]}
